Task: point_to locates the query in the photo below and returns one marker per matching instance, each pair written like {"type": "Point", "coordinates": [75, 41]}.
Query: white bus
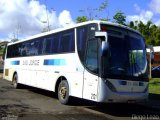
{"type": "Point", "coordinates": [94, 60]}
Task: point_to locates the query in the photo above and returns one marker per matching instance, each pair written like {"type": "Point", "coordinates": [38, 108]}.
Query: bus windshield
{"type": "Point", "coordinates": [126, 58]}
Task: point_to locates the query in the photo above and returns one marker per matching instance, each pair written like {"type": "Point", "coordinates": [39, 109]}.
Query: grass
{"type": "Point", "coordinates": [154, 86]}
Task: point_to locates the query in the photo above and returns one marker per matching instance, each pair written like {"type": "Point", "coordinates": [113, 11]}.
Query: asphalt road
{"type": "Point", "coordinates": [34, 104]}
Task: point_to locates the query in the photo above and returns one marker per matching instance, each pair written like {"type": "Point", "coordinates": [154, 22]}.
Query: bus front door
{"type": "Point", "coordinates": [90, 73]}
{"type": "Point", "coordinates": [90, 86]}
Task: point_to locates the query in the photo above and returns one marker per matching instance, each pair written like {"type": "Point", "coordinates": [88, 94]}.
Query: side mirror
{"type": "Point", "coordinates": [104, 38]}
{"type": "Point", "coordinates": [101, 35]}
{"type": "Point", "coordinates": [104, 49]}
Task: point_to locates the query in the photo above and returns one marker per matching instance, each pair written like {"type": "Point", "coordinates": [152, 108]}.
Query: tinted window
{"type": "Point", "coordinates": [28, 48]}
{"type": "Point", "coordinates": [55, 43]}
{"type": "Point", "coordinates": [14, 51]}
{"type": "Point", "coordinates": [31, 48]}
{"type": "Point", "coordinates": [52, 44]}
{"type": "Point", "coordinates": [87, 46]}
{"type": "Point", "coordinates": [81, 41]}
{"type": "Point", "coordinates": [47, 45]}
{"type": "Point", "coordinates": [126, 57]}
{"type": "Point", "coordinates": [91, 30]}
{"type": "Point", "coordinates": [67, 43]}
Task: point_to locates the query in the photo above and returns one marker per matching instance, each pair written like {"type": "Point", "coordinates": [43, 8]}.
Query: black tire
{"type": "Point", "coordinates": [15, 81]}
{"type": "Point", "coordinates": [63, 92]}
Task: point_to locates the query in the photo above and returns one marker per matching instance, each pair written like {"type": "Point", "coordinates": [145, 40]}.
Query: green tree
{"type": "Point", "coordinates": [150, 31]}
{"type": "Point", "coordinates": [157, 36]}
{"type": "Point", "coordinates": [2, 51]}
{"type": "Point", "coordinates": [120, 18]}
{"type": "Point", "coordinates": [105, 19]}
{"type": "Point", "coordinates": [132, 24]}
{"type": "Point", "coordinates": [80, 19]}
{"type": "Point", "coordinates": [93, 13]}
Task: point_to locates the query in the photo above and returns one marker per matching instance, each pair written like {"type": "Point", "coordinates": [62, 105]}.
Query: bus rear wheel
{"type": "Point", "coordinates": [63, 92]}
{"type": "Point", "coordinates": [15, 81]}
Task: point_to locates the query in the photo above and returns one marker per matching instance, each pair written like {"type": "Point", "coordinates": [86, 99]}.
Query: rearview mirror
{"type": "Point", "coordinates": [104, 45]}
{"type": "Point", "coordinates": [101, 35]}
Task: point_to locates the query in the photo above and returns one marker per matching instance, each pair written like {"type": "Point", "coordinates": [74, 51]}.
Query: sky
{"type": "Point", "coordinates": [24, 18]}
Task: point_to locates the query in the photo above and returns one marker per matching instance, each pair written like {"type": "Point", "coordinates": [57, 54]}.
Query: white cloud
{"type": "Point", "coordinates": [27, 17]}
{"type": "Point", "coordinates": [143, 16]}
{"type": "Point", "coordinates": [65, 18]}
{"type": "Point", "coordinates": [155, 6]}
{"type": "Point", "coordinates": [151, 13]}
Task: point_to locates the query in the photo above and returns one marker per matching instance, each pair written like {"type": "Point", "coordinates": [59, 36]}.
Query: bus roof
{"type": "Point", "coordinates": [73, 26]}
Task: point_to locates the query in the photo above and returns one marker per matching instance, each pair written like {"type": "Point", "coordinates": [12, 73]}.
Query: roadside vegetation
{"type": "Point", "coordinates": [154, 86]}
{"type": "Point", "coordinates": [1, 51]}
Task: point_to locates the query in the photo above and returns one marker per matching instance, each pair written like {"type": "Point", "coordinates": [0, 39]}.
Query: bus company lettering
{"type": "Point", "coordinates": [31, 62]}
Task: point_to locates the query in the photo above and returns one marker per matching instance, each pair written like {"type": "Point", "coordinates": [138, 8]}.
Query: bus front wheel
{"type": "Point", "coordinates": [63, 92]}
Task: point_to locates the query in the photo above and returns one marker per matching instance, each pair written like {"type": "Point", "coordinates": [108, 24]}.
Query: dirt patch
{"type": "Point", "coordinates": [12, 112]}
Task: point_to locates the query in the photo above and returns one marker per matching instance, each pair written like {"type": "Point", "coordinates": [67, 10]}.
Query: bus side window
{"type": "Point", "coordinates": [10, 52]}
{"type": "Point", "coordinates": [47, 42]}
{"type": "Point", "coordinates": [67, 43]}
{"type": "Point", "coordinates": [23, 49]}
{"type": "Point", "coordinates": [40, 46]}
{"type": "Point", "coordinates": [64, 42]}
{"type": "Point", "coordinates": [15, 51]}
{"type": "Point", "coordinates": [47, 45]}
{"type": "Point", "coordinates": [36, 45]}
{"type": "Point", "coordinates": [33, 50]}
{"type": "Point", "coordinates": [55, 42]}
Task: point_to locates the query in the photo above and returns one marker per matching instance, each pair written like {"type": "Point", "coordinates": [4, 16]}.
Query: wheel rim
{"type": "Point", "coordinates": [63, 92]}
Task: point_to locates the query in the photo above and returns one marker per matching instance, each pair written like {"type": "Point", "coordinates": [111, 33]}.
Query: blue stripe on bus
{"type": "Point", "coordinates": [16, 62]}
{"type": "Point", "coordinates": [57, 62]}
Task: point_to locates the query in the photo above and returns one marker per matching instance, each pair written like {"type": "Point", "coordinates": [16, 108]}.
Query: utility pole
{"type": "Point", "coordinates": [150, 59]}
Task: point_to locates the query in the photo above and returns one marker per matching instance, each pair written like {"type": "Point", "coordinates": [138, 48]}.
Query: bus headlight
{"type": "Point", "coordinates": [110, 86]}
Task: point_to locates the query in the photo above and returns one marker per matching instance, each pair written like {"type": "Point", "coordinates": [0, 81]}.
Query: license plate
{"type": "Point", "coordinates": [135, 83]}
